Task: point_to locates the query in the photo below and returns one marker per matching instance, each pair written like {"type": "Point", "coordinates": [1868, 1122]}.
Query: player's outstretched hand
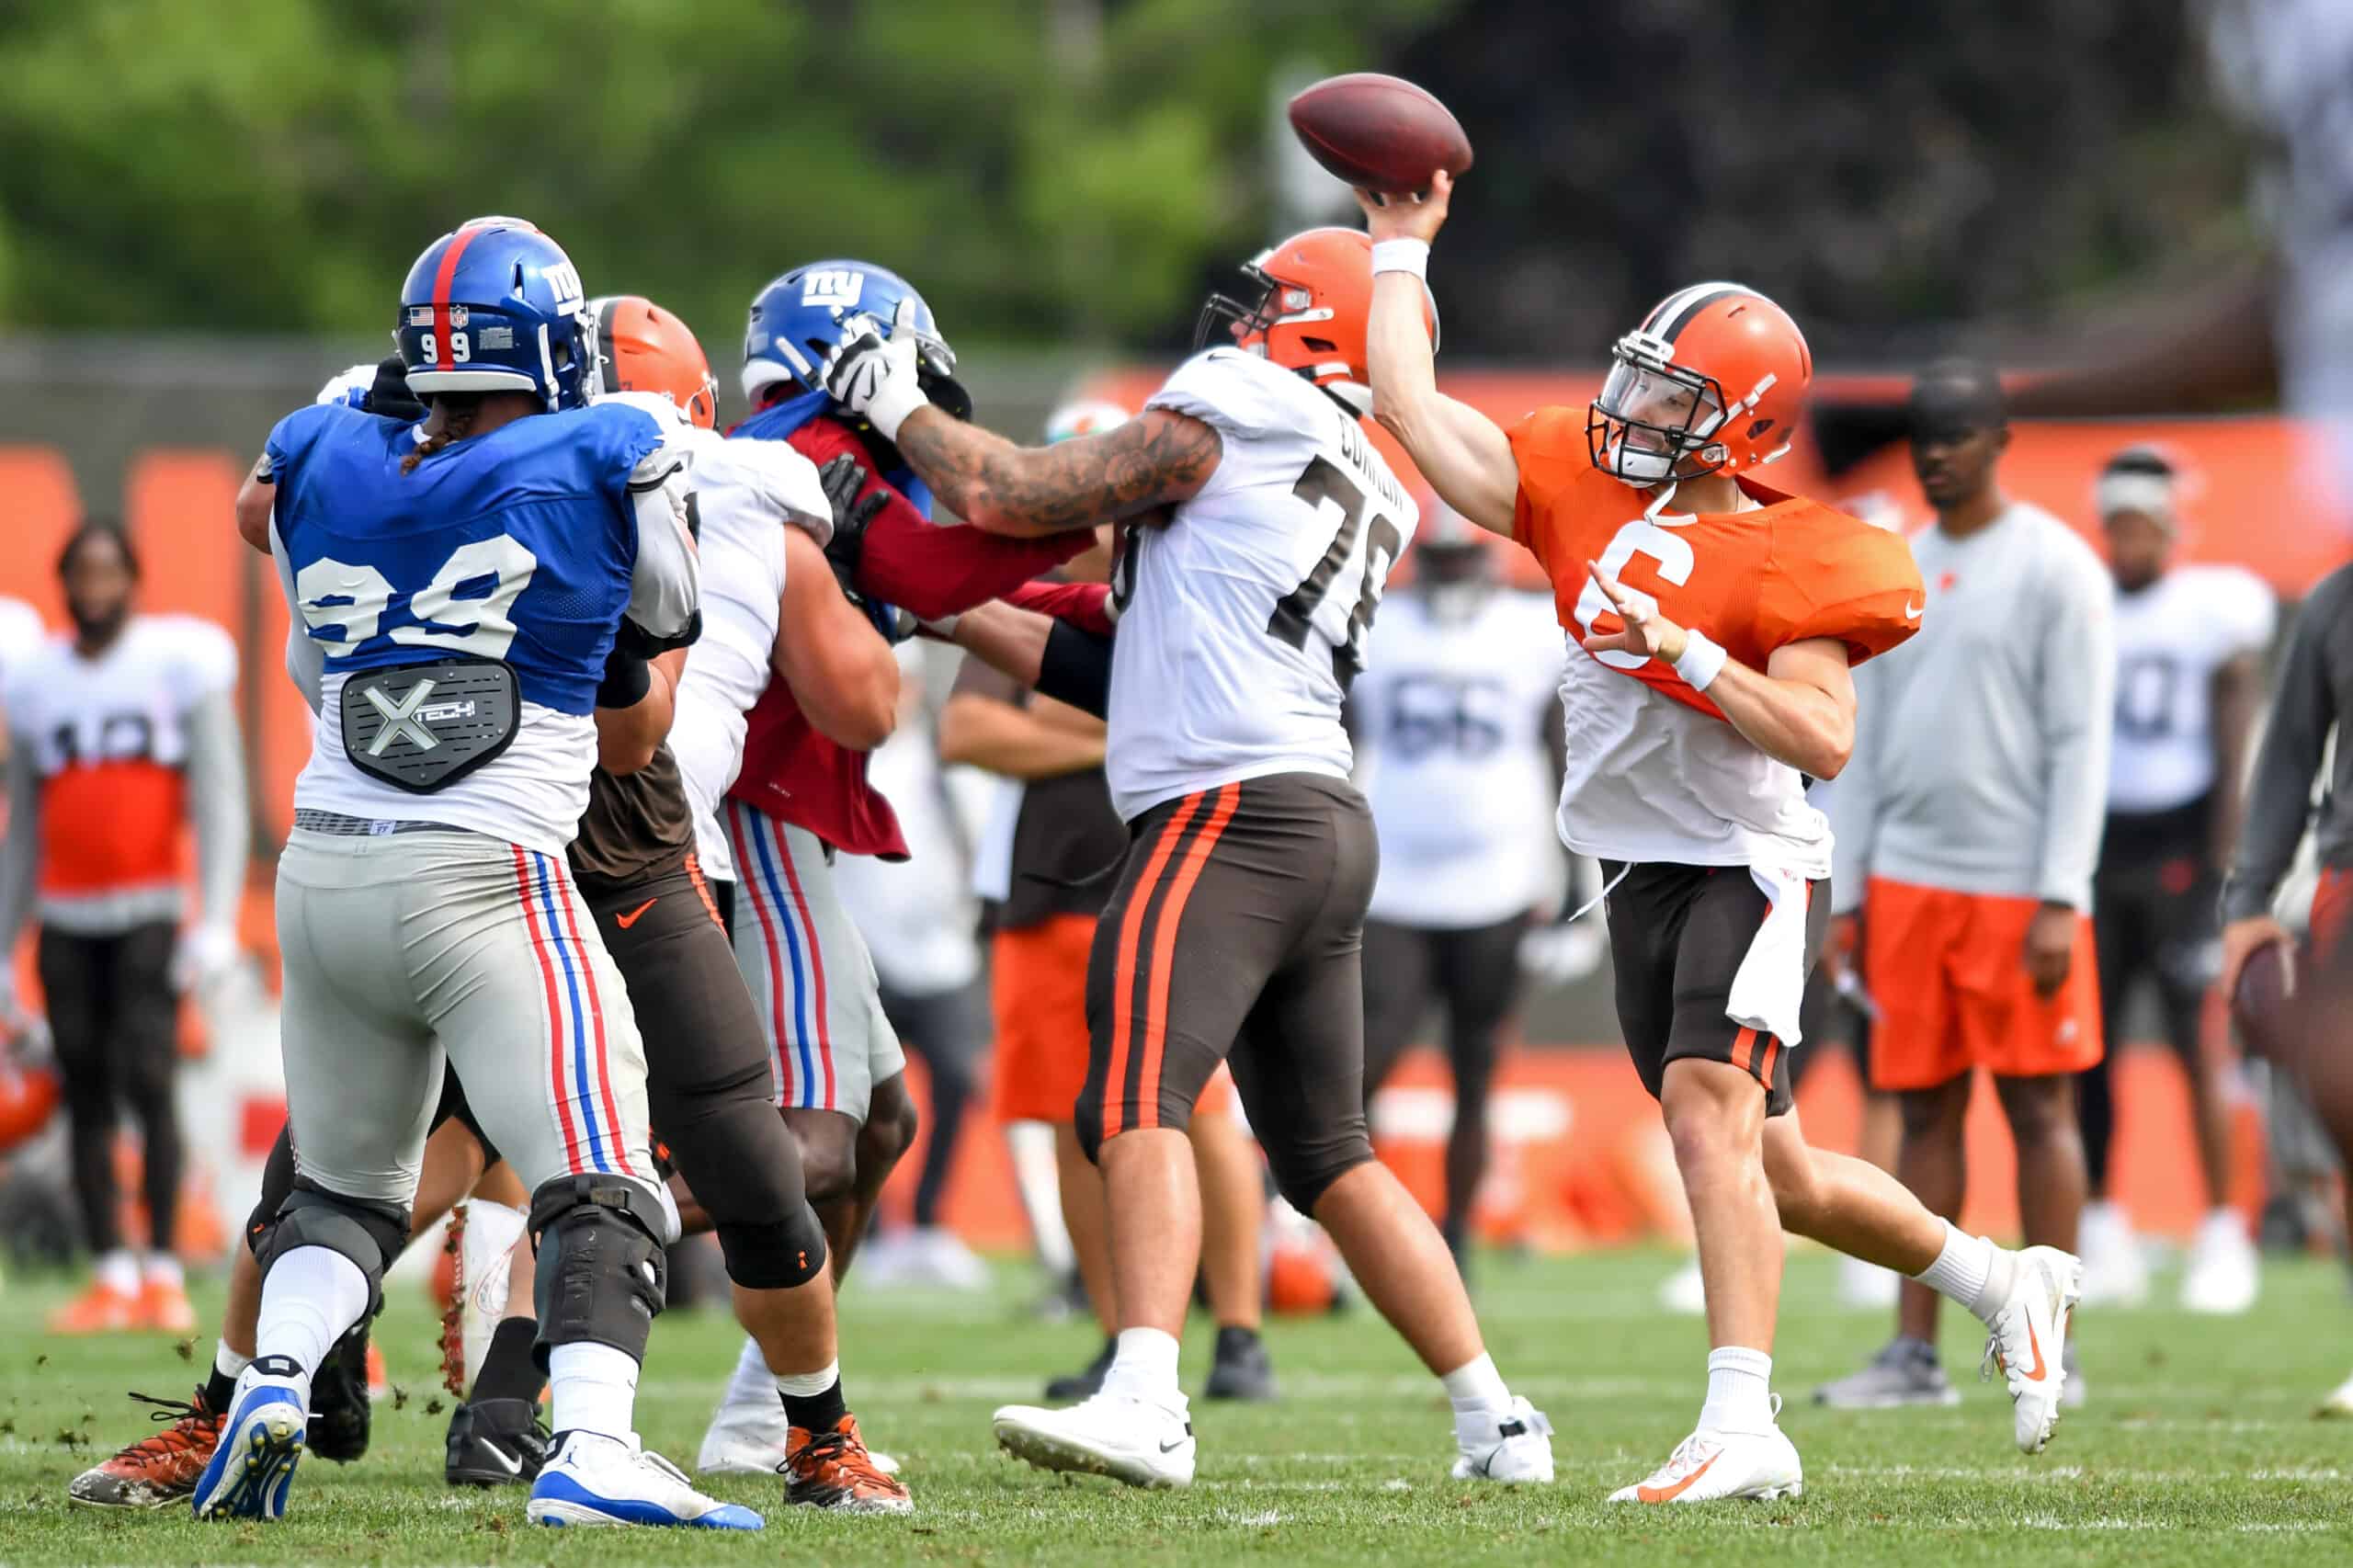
{"type": "Point", "coordinates": [876, 376]}
{"type": "Point", "coordinates": [1647, 632]}
{"type": "Point", "coordinates": [1416, 217]}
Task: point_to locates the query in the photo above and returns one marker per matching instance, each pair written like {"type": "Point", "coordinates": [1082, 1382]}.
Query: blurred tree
{"type": "Point", "coordinates": [1044, 170]}
{"type": "Point", "coordinates": [1885, 171]}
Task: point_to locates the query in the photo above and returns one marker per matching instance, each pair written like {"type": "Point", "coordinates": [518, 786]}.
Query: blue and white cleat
{"type": "Point", "coordinates": [260, 1444]}
{"type": "Point", "coordinates": [595, 1480]}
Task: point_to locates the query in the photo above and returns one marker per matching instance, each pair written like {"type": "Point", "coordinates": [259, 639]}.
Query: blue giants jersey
{"type": "Point", "coordinates": [517, 545]}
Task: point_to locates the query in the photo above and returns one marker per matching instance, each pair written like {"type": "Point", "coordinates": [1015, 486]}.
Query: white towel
{"type": "Point", "coordinates": [1770, 983]}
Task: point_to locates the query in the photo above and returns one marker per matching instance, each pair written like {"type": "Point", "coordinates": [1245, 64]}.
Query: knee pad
{"type": "Point", "coordinates": [1304, 1175]}
{"type": "Point", "coordinates": [371, 1234]}
{"type": "Point", "coordinates": [602, 1273]}
{"type": "Point", "coordinates": [774, 1254]}
{"type": "Point", "coordinates": [277, 1182]}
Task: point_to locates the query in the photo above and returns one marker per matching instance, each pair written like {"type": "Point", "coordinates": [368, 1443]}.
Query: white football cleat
{"type": "Point", "coordinates": [744, 1439]}
{"type": "Point", "coordinates": [2338, 1405]}
{"type": "Point", "coordinates": [1134, 1440]}
{"type": "Point", "coordinates": [2222, 1274]}
{"type": "Point", "coordinates": [1513, 1444]}
{"type": "Point", "coordinates": [1683, 1292]}
{"type": "Point", "coordinates": [595, 1480]}
{"type": "Point", "coordinates": [2028, 1340]}
{"type": "Point", "coordinates": [1710, 1467]}
{"type": "Point", "coordinates": [2115, 1273]}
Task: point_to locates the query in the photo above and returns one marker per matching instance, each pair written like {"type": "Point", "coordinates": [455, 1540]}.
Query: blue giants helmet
{"type": "Point", "coordinates": [797, 321]}
{"type": "Point", "coordinates": [494, 306]}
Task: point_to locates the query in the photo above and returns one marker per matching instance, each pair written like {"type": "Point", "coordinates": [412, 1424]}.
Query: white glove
{"type": "Point", "coordinates": [876, 376]}
{"type": "Point", "coordinates": [205, 954]}
{"type": "Point", "coordinates": [351, 389]}
{"type": "Point", "coordinates": [1561, 952]}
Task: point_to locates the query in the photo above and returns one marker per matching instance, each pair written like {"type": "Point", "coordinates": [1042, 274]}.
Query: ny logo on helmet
{"type": "Point", "coordinates": [835, 286]}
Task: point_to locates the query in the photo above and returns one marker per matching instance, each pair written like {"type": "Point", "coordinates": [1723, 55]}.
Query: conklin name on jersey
{"type": "Point", "coordinates": [1246, 615]}
{"type": "Point", "coordinates": [525, 545]}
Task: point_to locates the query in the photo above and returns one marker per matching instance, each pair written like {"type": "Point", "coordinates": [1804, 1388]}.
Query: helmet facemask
{"type": "Point", "coordinates": [1654, 421]}
{"type": "Point", "coordinates": [1222, 315]}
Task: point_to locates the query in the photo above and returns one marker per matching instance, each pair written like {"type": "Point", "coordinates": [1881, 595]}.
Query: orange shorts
{"type": "Point", "coordinates": [1948, 972]}
{"type": "Point", "coordinates": [1037, 988]}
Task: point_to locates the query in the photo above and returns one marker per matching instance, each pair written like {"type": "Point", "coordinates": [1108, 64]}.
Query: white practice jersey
{"type": "Point", "coordinates": [2171, 638]}
{"type": "Point", "coordinates": [1247, 612]}
{"type": "Point", "coordinates": [914, 914]}
{"type": "Point", "coordinates": [20, 632]}
{"type": "Point", "coordinates": [108, 738]}
{"type": "Point", "coordinates": [747, 493]}
{"type": "Point", "coordinates": [1451, 719]}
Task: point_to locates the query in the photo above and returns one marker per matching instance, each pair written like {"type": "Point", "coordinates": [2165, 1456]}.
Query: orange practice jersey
{"type": "Point", "coordinates": [1754, 581]}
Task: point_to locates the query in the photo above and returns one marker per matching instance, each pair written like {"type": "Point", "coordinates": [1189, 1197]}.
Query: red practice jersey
{"type": "Point", "coordinates": [796, 775]}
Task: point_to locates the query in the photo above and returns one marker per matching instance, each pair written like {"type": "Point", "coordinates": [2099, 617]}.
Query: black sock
{"type": "Point", "coordinates": [219, 1389]}
{"type": "Point", "coordinates": [816, 1412]}
{"type": "Point", "coordinates": [508, 1370]}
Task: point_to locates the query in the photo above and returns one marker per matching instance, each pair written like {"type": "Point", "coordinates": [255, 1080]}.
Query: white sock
{"type": "Point", "coordinates": [1477, 1392]}
{"type": "Point", "coordinates": [309, 1298]}
{"type": "Point", "coordinates": [1740, 1391]}
{"type": "Point", "coordinates": [118, 1270]}
{"type": "Point", "coordinates": [592, 1388]}
{"type": "Point", "coordinates": [752, 1383]}
{"type": "Point", "coordinates": [227, 1362]}
{"type": "Point", "coordinates": [808, 1385]}
{"type": "Point", "coordinates": [1970, 1270]}
{"type": "Point", "coordinates": [1476, 1386]}
{"type": "Point", "coordinates": [164, 1268]}
{"type": "Point", "coordinates": [1145, 1368]}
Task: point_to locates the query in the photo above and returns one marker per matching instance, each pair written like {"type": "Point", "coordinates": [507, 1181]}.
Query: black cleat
{"type": "Point", "coordinates": [1242, 1369]}
{"type": "Point", "coordinates": [340, 1406]}
{"type": "Point", "coordinates": [495, 1442]}
{"type": "Point", "coordinates": [1072, 1387]}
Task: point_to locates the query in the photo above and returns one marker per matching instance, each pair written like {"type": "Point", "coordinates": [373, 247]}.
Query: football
{"type": "Point", "coordinates": [2264, 1005]}
{"type": "Point", "coordinates": [1382, 133]}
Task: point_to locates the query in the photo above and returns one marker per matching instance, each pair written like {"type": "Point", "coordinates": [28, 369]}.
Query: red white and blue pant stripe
{"type": "Point", "coordinates": [580, 1084]}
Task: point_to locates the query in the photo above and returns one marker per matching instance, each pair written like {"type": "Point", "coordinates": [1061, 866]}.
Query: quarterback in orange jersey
{"type": "Point", "coordinates": [1719, 620]}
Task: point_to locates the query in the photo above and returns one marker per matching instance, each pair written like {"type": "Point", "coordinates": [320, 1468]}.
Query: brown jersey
{"type": "Point", "coordinates": [636, 824]}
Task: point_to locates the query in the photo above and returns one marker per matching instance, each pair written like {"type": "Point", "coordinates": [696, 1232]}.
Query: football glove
{"type": "Point", "coordinates": [204, 954]}
{"type": "Point", "coordinates": [843, 477]}
{"type": "Point", "coordinates": [877, 377]}
{"type": "Point", "coordinates": [1561, 953]}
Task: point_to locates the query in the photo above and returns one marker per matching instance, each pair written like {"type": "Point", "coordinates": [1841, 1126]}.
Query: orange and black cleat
{"type": "Point", "coordinates": [833, 1470]}
{"type": "Point", "coordinates": [158, 1470]}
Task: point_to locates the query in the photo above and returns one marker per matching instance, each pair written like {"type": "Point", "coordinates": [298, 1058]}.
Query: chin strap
{"type": "Point", "coordinates": [1658, 503]}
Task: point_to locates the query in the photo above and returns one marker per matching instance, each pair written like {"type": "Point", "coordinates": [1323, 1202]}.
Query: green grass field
{"type": "Point", "coordinates": [2199, 1445]}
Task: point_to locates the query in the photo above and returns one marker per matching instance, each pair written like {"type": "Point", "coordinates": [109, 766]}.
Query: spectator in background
{"type": "Point", "coordinates": [121, 736]}
{"type": "Point", "coordinates": [2189, 645]}
{"type": "Point", "coordinates": [1967, 825]}
{"type": "Point", "coordinates": [1457, 742]}
{"type": "Point", "coordinates": [920, 925]}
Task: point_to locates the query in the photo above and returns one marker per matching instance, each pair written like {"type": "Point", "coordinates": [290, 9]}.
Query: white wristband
{"type": "Point", "coordinates": [1703, 659]}
{"type": "Point", "coordinates": [1402, 256]}
{"type": "Point", "coordinates": [892, 404]}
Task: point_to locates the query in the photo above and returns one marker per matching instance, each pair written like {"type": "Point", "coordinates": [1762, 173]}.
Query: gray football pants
{"type": "Point", "coordinates": [406, 949]}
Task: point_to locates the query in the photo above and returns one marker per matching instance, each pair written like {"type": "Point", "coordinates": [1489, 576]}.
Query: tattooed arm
{"type": "Point", "coordinates": [1152, 460]}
